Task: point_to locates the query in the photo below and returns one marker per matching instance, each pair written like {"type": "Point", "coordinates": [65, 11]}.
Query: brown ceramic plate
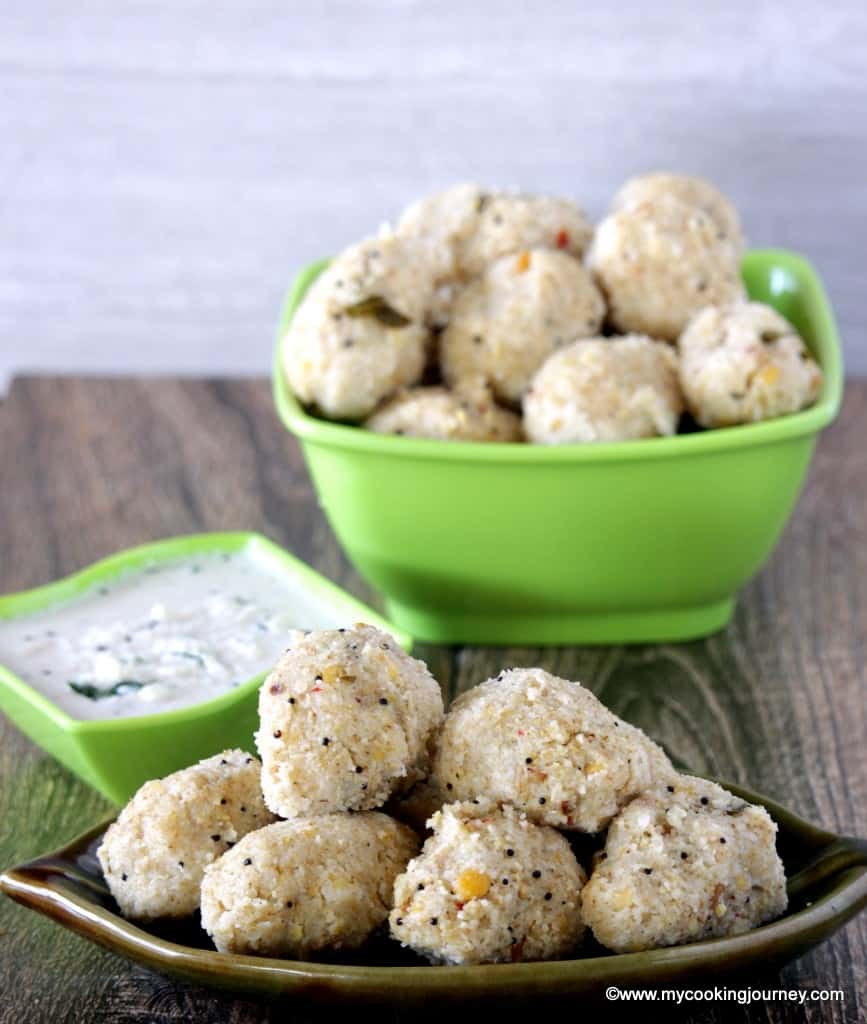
{"type": "Point", "coordinates": [827, 886]}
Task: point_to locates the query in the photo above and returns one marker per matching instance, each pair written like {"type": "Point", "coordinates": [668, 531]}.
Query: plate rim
{"type": "Point", "coordinates": [39, 887]}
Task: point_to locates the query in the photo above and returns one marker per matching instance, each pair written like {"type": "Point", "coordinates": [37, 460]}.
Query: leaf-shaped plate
{"type": "Point", "coordinates": [827, 886]}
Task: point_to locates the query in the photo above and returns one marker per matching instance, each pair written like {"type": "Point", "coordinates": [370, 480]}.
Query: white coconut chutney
{"type": "Point", "coordinates": [167, 636]}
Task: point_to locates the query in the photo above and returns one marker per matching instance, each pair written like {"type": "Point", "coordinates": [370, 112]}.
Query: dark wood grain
{"type": "Point", "coordinates": [778, 699]}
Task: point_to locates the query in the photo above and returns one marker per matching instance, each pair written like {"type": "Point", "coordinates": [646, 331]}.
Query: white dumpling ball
{"type": "Point", "coordinates": [153, 857]}
{"type": "Point", "coordinates": [465, 228]}
{"type": "Point", "coordinates": [684, 861]}
{"type": "Point", "coordinates": [604, 389]}
{"type": "Point", "coordinates": [659, 263]}
{"type": "Point", "coordinates": [511, 222]}
{"type": "Point", "coordinates": [490, 886]}
{"type": "Point", "coordinates": [359, 334]}
{"type": "Point", "coordinates": [466, 414]}
{"type": "Point", "coordinates": [548, 747]}
{"type": "Point", "coordinates": [744, 363]}
{"type": "Point", "coordinates": [345, 720]}
{"type": "Point", "coordinates": [505, 323]}
{"type": "Point", "coordinates": [300, 887]}
{"type": "Point", "coordinates": [688, 188]}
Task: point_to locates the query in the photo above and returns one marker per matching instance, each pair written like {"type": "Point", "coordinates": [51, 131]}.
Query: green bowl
{"type": "Point", "coordinates": [637, 541]}
{"type": "Point", "coordinates": [117, 755]}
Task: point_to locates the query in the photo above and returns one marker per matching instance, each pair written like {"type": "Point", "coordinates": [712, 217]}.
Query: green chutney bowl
{"type": "Point", "coordinates": [118, 755]}
{"type": "Point", "coordinates": [628, 542]}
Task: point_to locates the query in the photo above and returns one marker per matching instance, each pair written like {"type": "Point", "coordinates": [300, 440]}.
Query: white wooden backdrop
{"type": "Point", "coordinates": [166, 166]}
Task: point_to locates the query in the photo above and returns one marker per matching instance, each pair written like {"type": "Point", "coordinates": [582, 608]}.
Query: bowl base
{"type": "Point", "coordinates": [551, 629]}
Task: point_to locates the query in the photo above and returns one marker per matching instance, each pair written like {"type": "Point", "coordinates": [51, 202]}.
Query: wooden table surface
{"type": "Point", "coordinates": [777, 700]}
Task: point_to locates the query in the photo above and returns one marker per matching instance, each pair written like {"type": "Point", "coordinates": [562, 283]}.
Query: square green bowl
{"type": "Point", "coordinates": [629, 542]}
{"type": "Point", "coordinates": [117, 755]}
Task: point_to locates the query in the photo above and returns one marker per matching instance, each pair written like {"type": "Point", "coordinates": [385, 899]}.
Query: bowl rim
{"type": "Point", "coordinates": [67, 588]}
{"type": "Point", "coordinates": [826, 348]}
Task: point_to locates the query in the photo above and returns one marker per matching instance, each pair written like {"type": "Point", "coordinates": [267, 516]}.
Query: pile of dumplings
{"type": "Point", "coordinates": [372, 809]}
{"type": "Point", "coordinates": [500, 316]}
